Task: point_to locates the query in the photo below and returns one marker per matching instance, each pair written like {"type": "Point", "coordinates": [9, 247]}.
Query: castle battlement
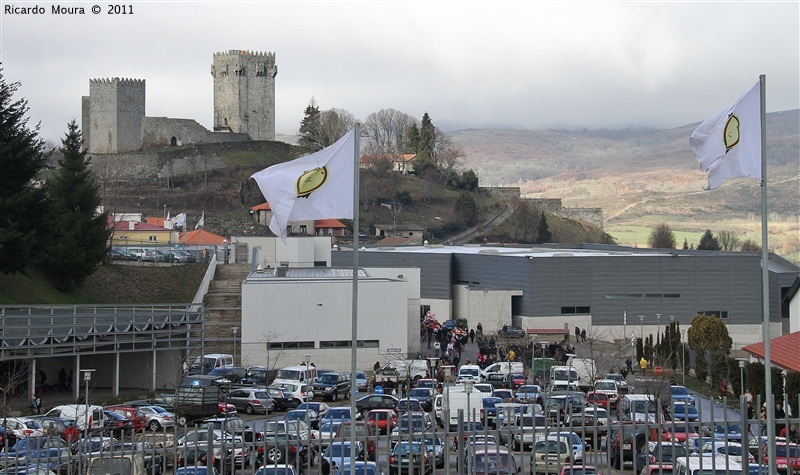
{"type": "Point", "coordinates": [116, 80]}
{"type": "Point", "coordinates": [269, 56]}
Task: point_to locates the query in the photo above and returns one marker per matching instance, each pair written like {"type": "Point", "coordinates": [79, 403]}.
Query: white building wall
{"type": "Point", "coordinates": [491, 308]}
{"type": "Point", "coordinates": [298, 251]}
{"type": "Point", "coordinates": [794, 313]}
{"type": "Point", "coordinates": [294, 310]}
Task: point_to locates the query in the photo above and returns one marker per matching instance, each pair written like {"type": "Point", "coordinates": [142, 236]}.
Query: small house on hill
{"type": "Point", "coordinates": [400, 163]}
{"type": "Point", "coordinates": [125, 233]}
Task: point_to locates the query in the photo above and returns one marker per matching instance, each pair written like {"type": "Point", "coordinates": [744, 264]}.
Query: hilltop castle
{"type": "Point", "coordinates": [113, 118]}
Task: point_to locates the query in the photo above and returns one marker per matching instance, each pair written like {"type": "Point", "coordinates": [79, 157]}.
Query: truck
{"type": "Point", "coordinates": [196, 398]}
{"type": "Point", "coordinates": [401, 370]}
{"type": "Point", "coordinates": [455, 399]}
{"type": "Point", "coordinates": [577, 370]}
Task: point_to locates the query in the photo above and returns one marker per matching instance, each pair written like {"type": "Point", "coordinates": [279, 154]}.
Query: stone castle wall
{"type": "Point", "coordinates": [593, 216]}
{"type": "Point", "coordinates": [161, 132]}
{"type": "Point", "coordinates": [244, 93]}
{"type": "Point", "coordinates": [112, 114]}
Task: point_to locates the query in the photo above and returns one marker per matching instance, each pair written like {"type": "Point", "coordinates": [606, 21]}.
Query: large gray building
{"type": "Point", "coordinates": [609, 290]}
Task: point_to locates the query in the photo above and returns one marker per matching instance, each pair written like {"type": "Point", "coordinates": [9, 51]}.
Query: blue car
{"type": "Point", "coordinates": [680, 393]}
{"type": "Point", "coordinates": [682, 411]}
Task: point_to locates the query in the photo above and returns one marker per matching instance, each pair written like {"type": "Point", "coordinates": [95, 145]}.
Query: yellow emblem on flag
{"type": "Point", "coordinates": [310, 181]}
{"type": "Point", "coordinates": [731, 133]}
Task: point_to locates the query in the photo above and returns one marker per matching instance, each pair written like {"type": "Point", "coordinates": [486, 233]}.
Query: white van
{"type": "Point", "coordinates": [401, 370]}
{"type": "Point", "coordinates": [637, 408]}
{"type": "Point", "coordinates": [204, 364]}
{"type": "Point", "coordinates": [469, 372]}
{"type": "Point", "coordinates": [504, 367]}
{"type": "Point", "coordinates": [77, 412]}
{"type": "Point", "coordinates": [296, 374]}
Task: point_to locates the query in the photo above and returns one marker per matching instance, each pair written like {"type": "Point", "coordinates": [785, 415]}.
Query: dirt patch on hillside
{"type": "Point", "coordinates": [143, 283]}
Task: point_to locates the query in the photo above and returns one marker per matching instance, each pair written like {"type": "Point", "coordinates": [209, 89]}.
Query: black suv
{"type": "Point", "coordinates": [259, 376]}
{"type": "Point", "coordinates": [332, 386]}
{"type": "Point", "coordinates": [511, 331]}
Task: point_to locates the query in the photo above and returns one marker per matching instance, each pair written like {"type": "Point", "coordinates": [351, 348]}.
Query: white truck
{"type": "Point", "coordinates": [456, 399]}
{"type": "Point", "coordinates": [402, 370]}
{"type": "Point", "coordinates": [577, 370]}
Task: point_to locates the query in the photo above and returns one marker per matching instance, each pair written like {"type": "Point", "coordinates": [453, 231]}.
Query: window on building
{"type": "Point", "coordinates": [153, 238]}
{"type": "Point", "coordinates": [348, 344]}
{"type": "Point", "coordinates": [303, 229]}
{"type": "Point", "coordinates": [715, 313]}
{"type": "Point", "coordinates": [574, 310]}
{"type": "Point", "coordinates": [277, 345]}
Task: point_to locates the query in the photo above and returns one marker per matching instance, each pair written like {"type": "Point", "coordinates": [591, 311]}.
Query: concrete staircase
{"type": "Point", "coordinates": [223, 307]}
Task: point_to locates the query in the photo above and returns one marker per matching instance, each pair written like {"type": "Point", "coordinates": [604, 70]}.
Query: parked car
{"type": "Point", "coordinates": [332, 386]}
{"type": "Point", "coordinates": [132, 413]}
{"type": "Point", "coordinates": [363, 431]}
{"type": "Point", "coordinates": [409, 456]}
{"type": "Point", "coordinates": [511, 331]}
{"type": "Point", "coordinates": [424, 396]}
{"type": "Point", "coordinates": [376, 401]}
{"type": "Point", "coordinates": [121, 254]}
{"type": "Point", "coordinates": [282, 448]}
{"type": "Point", "coordinates": [117, 425]}
{"type": "Point", "coordinates": [683, 411]}
{"type": "Point", "coordinates": [383, 420]}
{"type": "Point", "coordinates": [227, 376]}
{"type": "Point", "coordinates": [157, 417]}
{"type": "Point", "coordinates": [336, 415]}
{"type": "Point", "coordinates": [527, 394]}
{"type": "Point", "coordinates": [680, 393]}
{"type": "Point", "coordinates": [660, 452]}
{"type": "Point", "coordinates": [258, 376]}
{"type": "Point", "coordinates": [251, 400]}
{"type": "Point", "coordinates": [492, 460]}
{"type": "Point", "coordinates": [282, 398]}
{"type": "Point", "coordinates": [550, 454]}
{"type": "Point", "coordinates": [414, 423]}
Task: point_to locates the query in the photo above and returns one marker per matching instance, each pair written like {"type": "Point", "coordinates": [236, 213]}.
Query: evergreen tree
{"type": "Point", "coordinates": [412, 139]}
{"type": "Point", "coordinates": [708, 242]}
{"type": "Point", "coordinates": [427, 138]}
{"type": "Point", "coordinates": [543, 234]}
{"type": "Point", "coordinates": [311, 127]}
{"type": "Point", "coordinates": [662, 237]}
{"type": "Point", "coordinates": [685, 244]}
{"type": "Point", "coordinates": [466, 208]}
{"type": "Point", "coordinates": [79, 239]}
{"type": "Point", "coordinates": [22, 205]}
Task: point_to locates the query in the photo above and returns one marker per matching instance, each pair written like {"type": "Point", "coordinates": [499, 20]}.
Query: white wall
{"type": "Point", "coordinates": [491, 308]}
{"type": "Point", "coordinates": [290, 310]}
{"type": "Point", "coordinates": [794, 313]}
{"type": "Point", "coordinates": [298, 251]}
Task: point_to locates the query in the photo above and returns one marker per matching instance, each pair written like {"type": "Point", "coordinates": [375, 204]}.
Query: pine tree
{"type": "Point", "coordinates": [427, 138]}
{"type": "Point", "coordinates": [466, 208]}
{"type": "Point", "coordinates": [685, 244]}
{"type": "Point", "coordinates": [79, 233]}
{"type": "Point", "coordinates": [311, 127]}
{"type": "Point", "coordinates": [22, 205]}
{"type": "Point", "coordinates": [412, 139]}
{"type": "Point", "coordinates": [708, 242]}
{"type": "Point", "coordinates": [543, 234]}
{"type": "Point", "coordinates": [662, 237]}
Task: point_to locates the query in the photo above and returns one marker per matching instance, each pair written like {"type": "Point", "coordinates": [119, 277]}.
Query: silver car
{"type": "Point", "coordinates": [251, 400]}
{"type": "Point", "coordinates": [157, 417]}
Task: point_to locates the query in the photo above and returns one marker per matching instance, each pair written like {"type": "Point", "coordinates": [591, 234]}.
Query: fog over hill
{"type": "Point", "coordinates": [636, 176]}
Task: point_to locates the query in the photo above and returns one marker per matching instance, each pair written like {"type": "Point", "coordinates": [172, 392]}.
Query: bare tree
{"type": "Point", "coordinates": [447, 155]}
{"type": "Point", "coordinates": [334, 124]}
{"type": "Point", "coordinates": [729, 240]}
{"type": "Point", "coordinates": [386, 131]}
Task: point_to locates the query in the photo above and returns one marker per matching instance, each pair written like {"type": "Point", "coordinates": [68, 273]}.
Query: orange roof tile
{"type": "Point", "coordinates": [137, 226]}
{"type": "Point", "coordinates": [328, 223]}
{"type": "Point", "coordinates": [200, 237]}
{"type": "Point", "coordinates": [262, 206]}
{"type": "Point", "coordinates": [783, 351]}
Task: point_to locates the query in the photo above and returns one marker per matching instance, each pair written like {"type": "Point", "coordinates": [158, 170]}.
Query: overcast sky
{"type": "Point", "coordinates": [489, 64]}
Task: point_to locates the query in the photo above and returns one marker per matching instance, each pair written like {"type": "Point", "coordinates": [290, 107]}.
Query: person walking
{"type": "Point", "coordinates": [577, 335]}
{"type": "Point", "coordinates": [472, 336]}
{"type": "Point", "coordinates": [583, 335]}
{"type": "Point", "coordinates": [37, 403]}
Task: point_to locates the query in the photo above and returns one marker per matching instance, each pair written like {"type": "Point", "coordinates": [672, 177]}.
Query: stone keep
{"type": "Point", "coordinates": [112, 115]}
{"type": "Point", "coordinates": [244, 93]}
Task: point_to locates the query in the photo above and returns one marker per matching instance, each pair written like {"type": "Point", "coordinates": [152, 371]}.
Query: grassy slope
{"type": "Point", "coordinates": [109, 285]}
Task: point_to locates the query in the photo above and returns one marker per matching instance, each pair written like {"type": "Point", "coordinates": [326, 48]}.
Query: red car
{"type": "Point", "coordinates": [787, 456]}
{"type": "Point", "coordinates": [598, 399]}
{"type": "Point", "coordinates": [134, 414]}
{"type": "Point", "coordinates": [383, 420]}
{"type": "Point", "coordinates": [679, 433]}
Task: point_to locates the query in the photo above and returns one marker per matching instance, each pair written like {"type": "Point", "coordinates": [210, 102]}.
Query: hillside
{"type": "Point", "coordinates": [641, 178]}
{"type": "Point", "coordinates": [110, 284]}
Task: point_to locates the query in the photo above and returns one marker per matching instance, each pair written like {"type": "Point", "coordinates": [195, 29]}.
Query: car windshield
{"type": "Point", "coordinates": [338, 450]}
{"type": "Point", "coordinates": [416, 421]}
{"type": "Point", "coordinates": [329, 378]}
{"type": "Point", "coordinates": [338, 414]}
{"type": "Point", "coordinates": [679, 391]}
{"type": "Point", "coordinates": [495, 463]}
{"type": "Point", "coordinates": [729, 429]}
{"type": "Point", "coordinates": [419, 392]}
{"type": "Point", "coordinates": [592, 471]}
{"type": "Point", "coordinates": [268, 470]}
{"type": "Point", "coordinates": [291, 375]}
{"type": "Point", "coordinates": [256, 373]}
{"type": "Point", "coordinates": [644, 406]}
{"type": "Point", "coordinates": [404, 448]}
{"type": "Point", "coordinates": [468, 371]}
{"type": "Point", "coordinates": [551, 446]}
{"type": "Point", "coordinates": [360, 470]}
{"type": "Point", "coordinates": [528, 389]}
{"type": "Point", "coordinates": [605, 386]}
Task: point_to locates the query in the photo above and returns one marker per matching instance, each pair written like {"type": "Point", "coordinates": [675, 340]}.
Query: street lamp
{"type": "Point", "coordinates": [683, 355]}
{"type": "Point", "coordinates": [468, 392]}
{"type": "Point", "coordinates": [658, 331]}
{"type": "Point", "coordinates": [87, 376]}
{"type": "Point", "coordinates": [641, 332]}
{"type": "Point", "coordinates": [235, 330]}
{"type": "Point", "coordinates": [741, 377]}
{"type": "Point", "coordinates": [307, 358]}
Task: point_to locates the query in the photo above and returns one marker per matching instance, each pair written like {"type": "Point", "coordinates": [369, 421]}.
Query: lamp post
{"type": "Point", "coordinates": [683, 355]}
{"type": "Point", "coordinates": [468, 392]}
{"type": "Point", "coordinates": [307, 359]}
{"type": "Point", "coordinates": [533, 359]}
{"type": "Point", "coordinates": [641, 332]}
{"type": "Point", "coordinates": [741, 377]}
{"type": "Point", "coordinates": [658, 332]}
{"type": "Point", "coordinates": [235, 330]}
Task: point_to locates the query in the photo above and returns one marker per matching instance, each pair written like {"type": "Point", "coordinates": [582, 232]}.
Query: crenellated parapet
{"type": "Point", "coordinates": [116, 81]}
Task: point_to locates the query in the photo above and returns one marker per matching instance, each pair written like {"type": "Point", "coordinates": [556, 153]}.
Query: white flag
{"type": "Point", "coordinates": [728, 144]}
{"type": "Point", "coordinates": [167, 222]}
{"type": "Point", "coordinates": [202, 221]}
{"type": "Point", "coordinates": [179, 220]}
{"type": "Point", "coordinates": [317, 186]}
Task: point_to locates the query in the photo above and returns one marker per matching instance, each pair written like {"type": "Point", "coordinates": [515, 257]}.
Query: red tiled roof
{"type": "Point", "coordinates": [137, 226]}
{"type": "Point", "coordinates": [783, 351]}
{"type": "Point", "coordinates": [156, 221]}
{"type": "Point", "coordinates": [200, 237]}
{"type": "Point", "coordinates": [328, 223]}
{"type": "Point", "coordinates": [262, 206]}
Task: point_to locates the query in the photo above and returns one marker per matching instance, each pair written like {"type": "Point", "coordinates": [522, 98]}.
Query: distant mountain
{"type": "Point", "coordinates": [637, 177]}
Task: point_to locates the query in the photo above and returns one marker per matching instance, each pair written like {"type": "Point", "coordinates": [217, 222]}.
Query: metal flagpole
{"type": "Point", "coordinates": [354, 337]}
{"type": "Point", "coordinates": [765, 283]}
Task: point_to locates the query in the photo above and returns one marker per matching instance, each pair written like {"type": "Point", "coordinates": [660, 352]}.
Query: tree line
{"type": "Point", "coordinates": [663, 237]}
{"type": "Point", "coordinates": [56, 224]}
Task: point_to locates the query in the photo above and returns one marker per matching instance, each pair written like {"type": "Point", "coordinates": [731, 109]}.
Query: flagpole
{"type": "Point", "coordinates": [765, 283]}
{"type": "Point", "coordinates": [354, 316]}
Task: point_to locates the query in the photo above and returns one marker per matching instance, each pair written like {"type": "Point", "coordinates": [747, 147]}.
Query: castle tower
{"type": "Point", "coordinates": [112, 114]}
{"type": "Point", "coordinates": [244, 93]}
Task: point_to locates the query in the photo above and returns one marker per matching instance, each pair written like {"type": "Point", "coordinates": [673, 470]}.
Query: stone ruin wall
{"type": "Point", "coordinates": [593, 216]}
